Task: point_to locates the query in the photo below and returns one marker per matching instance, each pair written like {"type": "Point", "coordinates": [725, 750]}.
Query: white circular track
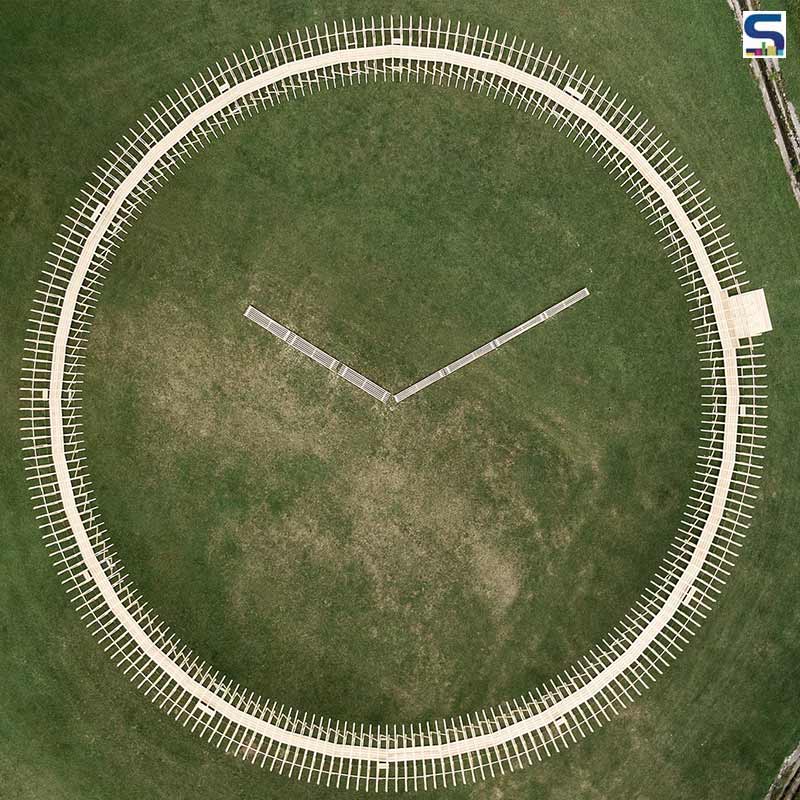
{"type": "Point", "coordinates": [480, 743]}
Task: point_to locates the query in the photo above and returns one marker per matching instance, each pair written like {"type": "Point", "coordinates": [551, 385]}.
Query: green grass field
{"type": "Point", "coordinates": [790, 66]}
{"type": "Point", "coordinates": [459, 549]}
{"type": "Point", "coordinates": [537, 487]}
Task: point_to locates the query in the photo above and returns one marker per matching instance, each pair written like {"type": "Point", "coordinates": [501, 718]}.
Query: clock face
{"type": "Point", "coordinates": [521, 502]}
{"type": "Point", "coordinates": [353, 557]}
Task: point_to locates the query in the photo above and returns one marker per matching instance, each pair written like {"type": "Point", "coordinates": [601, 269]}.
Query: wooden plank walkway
{"type": "Point", "coordinates": [487, 348]}
{"type": "Point", "coordinates": [315, 354]}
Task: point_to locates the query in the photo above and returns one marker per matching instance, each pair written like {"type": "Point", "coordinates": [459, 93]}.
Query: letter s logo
{"type": "Point", "coordinates": [761, 27]}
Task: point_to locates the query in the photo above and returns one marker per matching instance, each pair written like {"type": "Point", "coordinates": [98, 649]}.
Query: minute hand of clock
{"type": "Point", "coordinates": [493, 345]}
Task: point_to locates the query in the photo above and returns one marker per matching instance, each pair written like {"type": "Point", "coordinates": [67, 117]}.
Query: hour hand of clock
{"type": "Point", "coordinates": [315, 354]}
{"type": "Point", "coordinates": [483, 350]}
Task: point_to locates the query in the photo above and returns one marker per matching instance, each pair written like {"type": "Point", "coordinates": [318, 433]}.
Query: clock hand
{"type": "Point", "coordinates": [378, 392]}
{"type": "Point", "coordinates": [315, 354]}
{"type": "Point", "coordinates": [489, 346]}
